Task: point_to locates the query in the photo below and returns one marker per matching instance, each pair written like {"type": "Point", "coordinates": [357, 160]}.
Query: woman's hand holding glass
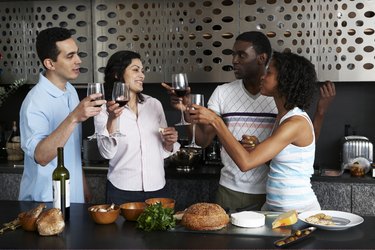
{"type": "Point", "coordinates": [120, 96]}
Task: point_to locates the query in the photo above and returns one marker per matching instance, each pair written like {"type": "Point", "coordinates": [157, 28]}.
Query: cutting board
{"type": "Point", "coordinates": [265, 230]}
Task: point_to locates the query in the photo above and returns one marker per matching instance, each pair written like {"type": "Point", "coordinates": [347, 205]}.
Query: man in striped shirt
{"type": "Point", "coordinates": [246, 112]}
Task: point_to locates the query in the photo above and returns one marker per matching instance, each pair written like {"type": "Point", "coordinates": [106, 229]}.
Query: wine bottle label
{"type": "Point", "coordinates": [58, 195]}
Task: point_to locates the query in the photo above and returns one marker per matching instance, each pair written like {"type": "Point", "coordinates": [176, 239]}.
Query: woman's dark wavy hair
{"type": "Point", "coordinates": [297, 80]}
{"type": "Point", "coordinates": [114, 71]}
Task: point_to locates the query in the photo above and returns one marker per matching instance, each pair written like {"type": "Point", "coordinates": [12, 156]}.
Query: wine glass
{"type": "Point", "coordinates": [95, 88]}
{"type": "Point", "coordinates": [180, 85]}
{"type": "Point", "coordinates": [121, 95]}
{"type": "Point", "coordinates": [199, 100]}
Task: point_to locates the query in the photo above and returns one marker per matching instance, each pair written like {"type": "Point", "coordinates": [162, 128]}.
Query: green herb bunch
{"type": "Point", "coordinates": [155, 217]}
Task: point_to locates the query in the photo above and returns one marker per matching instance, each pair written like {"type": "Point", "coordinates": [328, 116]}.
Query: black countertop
{"type": "Point", "coordinates": [81, 232]}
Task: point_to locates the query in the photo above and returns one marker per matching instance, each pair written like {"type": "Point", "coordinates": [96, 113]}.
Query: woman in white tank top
{"type": "Point", "coordinates": [291, 80]}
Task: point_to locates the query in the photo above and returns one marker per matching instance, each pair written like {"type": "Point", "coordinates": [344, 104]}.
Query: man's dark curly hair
{"type": "Point", "coordinates": [114, 71]}
{"type": "Point", "coordinates": [297, 80]}
{"type": "Point", "coordinates": [260, 42]}
{"type": "Point", "coordinates": [46, 42]}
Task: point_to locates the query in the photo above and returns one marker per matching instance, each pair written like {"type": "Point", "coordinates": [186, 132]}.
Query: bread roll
{"type": "Point", "coordinates": [28, 219]}
{"type": "Point", "coordinates": [50, 222]}
{"type": "Point", "coordinates": [250, 139]}
{"type": "Point", "coordinates": [205, 216]}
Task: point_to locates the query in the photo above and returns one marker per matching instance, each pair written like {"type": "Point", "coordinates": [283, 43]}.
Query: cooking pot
{"type": "Point", "coordinates": [186, 159]}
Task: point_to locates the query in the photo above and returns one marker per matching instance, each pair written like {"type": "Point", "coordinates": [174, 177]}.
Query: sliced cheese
{"type": "Point", "coordinates": [248, 219]}
{"type": "Point", "coordinates": [285, 219]}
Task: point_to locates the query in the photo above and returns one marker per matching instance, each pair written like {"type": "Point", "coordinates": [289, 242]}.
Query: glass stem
{"type": "Point", "coordinates": [118, 125]}
{"type": "Point", "coordinates": [193, 136]}
{"type": "Point", "coordinates": [182, 115]}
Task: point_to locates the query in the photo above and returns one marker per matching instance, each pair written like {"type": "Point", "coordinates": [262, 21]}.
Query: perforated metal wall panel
{"type": "Point", "coordinates": [20, 23]}
{"type": "Point", "coordinates": [194, 36]}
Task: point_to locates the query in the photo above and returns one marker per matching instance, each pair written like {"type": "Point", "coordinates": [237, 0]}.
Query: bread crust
{"type": "Point", "coordinates": [50, 222]}
{"type": "Point", "coordinates": [28, 219]}
{"type": "Point", "coordinates": [205, 216]}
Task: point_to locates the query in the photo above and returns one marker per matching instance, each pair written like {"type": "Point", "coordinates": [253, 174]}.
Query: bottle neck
{"type": "Point", "coordinates": [60, 157]}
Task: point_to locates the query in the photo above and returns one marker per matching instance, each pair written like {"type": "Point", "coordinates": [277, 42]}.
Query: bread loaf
{"type": "Point", "coordinates": [50, 222]}
{"type": "Point", "coordinates": [205, 216]}
{"type": "Point", "coordinates": [28, 219]}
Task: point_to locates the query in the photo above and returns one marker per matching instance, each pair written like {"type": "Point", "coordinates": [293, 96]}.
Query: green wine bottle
{"type": "Point", "coordinates": [61, 186]}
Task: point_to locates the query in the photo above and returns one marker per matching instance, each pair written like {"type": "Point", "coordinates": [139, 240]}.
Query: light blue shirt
{"type": "Point", "coordinates": [42, 111]}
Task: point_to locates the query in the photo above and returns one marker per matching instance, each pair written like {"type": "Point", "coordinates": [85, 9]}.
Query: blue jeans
{"type": "Point", "coordinates": [118, 196]}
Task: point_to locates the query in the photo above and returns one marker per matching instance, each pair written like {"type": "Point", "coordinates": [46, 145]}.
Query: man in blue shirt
{"type": "Point", "coordinates": [51, 117]}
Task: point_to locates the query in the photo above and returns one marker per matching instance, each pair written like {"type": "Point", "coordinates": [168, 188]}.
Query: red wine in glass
{"type": "Point", "coordinates": [121, 103]}
{"type": "Point", "coordinates": [180, 92]}
{"type": "Point", "coordinates": [121, 95]}
{"type": "Point", "coordinates": [98, 106]}
{"type": "Point", "coordinates": [95, 88]}
{"type": "Point", "coordinates": [180, 86]}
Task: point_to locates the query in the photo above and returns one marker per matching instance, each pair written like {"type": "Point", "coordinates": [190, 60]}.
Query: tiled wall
{"type": "Point", "coordinates": [193, 36]}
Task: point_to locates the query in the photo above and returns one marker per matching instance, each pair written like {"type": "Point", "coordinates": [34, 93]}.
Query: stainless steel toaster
{"type": "Point", "coordinates": [355, 146]}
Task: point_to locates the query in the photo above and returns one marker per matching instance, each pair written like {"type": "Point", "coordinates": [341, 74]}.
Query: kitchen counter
{"type": "Point", "coordinates": [81, 232]}
{"type": "Point", "coordinates": [343, 193]}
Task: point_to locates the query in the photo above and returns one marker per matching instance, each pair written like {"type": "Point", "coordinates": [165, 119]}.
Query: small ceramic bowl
{"type": "Point", "coordinates": [103, 214]}
{"type": "Point", "coordinates": [132, 210]}
{"type": "Point", "coordinates": [165, 202]}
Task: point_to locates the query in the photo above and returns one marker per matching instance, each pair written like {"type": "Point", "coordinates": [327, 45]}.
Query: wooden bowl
{"type": "Point", "coordinates": [104, 217]}
{"type": "Point", "coordinates": [165, 202]}
{"type": "Point", "coordinates": [132, 210]}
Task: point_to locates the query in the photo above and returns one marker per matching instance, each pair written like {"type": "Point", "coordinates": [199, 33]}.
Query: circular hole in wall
{"type": "Point", "coordinates": [227, 2]}
{"type": "Point", "coordinates": [359, 40]}
{"type": "Point", "coordinates": [368, 66]}
{"type": "Point", "coordinates": [369, 14]}
{"type": "Point", "coordinates": [351, 66]}
{"type": "Point", "coordinates": [101, 7]}
{"type": "Point", "coordinates": [227, 68]}
{"type": "Point", "coordinates": [227, 19]}
{"type": "Point", "coordinates": [368, 49]}
{"type": "Point", "coordinates": [207, 68]}
{"type": "Point", "coordinates": [227, 52]}
{"type": "Point", "coordinates": [369, 31]}
{"type": "Point", "coordinates": [227, 35]}
{"type": "Point", "coordinates": [216, 27]}
{"type": "Point", "coordinates": [217, 60]}
{"type": "Point", "coordinates": [250, 18]}
{"type": "Point", "coordinates": [358, 57]}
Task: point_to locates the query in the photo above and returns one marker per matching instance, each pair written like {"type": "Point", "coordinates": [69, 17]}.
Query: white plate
{"type": "Point", "coordinates": [353, 218]}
